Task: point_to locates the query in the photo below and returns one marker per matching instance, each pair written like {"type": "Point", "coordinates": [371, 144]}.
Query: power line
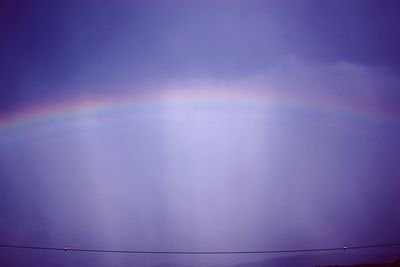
{"type": "Point", "coordinates": [65, 249]}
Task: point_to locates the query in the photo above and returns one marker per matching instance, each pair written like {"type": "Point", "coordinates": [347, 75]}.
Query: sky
{"type": "Point", "coordinates": [197, 125]}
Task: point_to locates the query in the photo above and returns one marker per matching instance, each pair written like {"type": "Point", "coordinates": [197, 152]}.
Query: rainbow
{"type": "Point", "coordinates": [82, 112]}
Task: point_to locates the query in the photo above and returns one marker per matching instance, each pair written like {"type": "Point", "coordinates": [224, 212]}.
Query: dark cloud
{"type": "Point", "coordinates": [52, 50]}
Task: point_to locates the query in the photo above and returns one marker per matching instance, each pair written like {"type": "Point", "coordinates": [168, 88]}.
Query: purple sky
{"type": "Point", "coordinates": [265, 125]}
